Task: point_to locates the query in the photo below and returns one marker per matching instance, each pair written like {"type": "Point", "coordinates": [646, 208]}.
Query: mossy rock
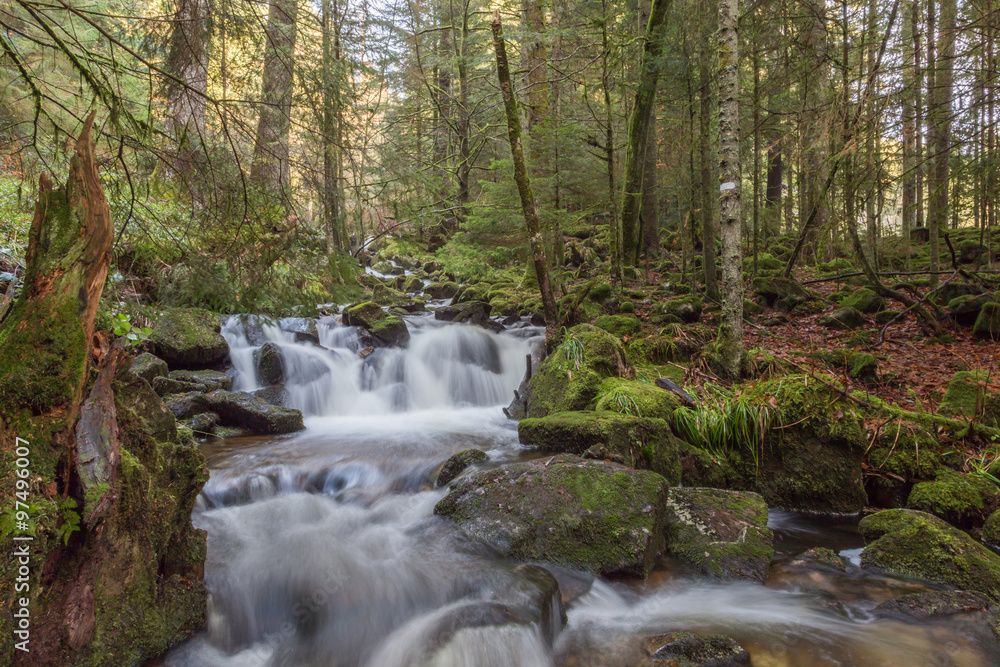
{"type": "Point", "coordinates": [247, 411]}
{"type": "Point", "coordinates": [883, 317]}
{"type": "Point", "coordinates": [844, 319]}
{"type": "Point", "coordinates": [269, 362]}
{"type": "Point", "coordinates": [587, 515]}
{"type": "Point", "coordinates": [766, 262]}
{"type": "Point", "coordinates": [441, 290]}
{"type": "Point", "coordinates": [457, 463]}
{"type": "Point", "coordinates": [210, 379]}
{"type": "Point", "coordinates": [836, 265]}
{"type": "Point", "coordinates": [751, 308]}
{"type": "Point", "coordinates": [626, 307]}
{"type": "Point", "coordinates": [619, 325]}
{"type": "Point", "coordinates": [987, 326]}
{"type": "Point", "coordinates": [601, 293]}
{"type": "Point", "coordinates": [813, 462]}
{"type": "Point", "coordinates": [863, 300]}
{"type": "Point", "coordinates": [634, 442]}
{"type": "Point", "coordinates": [909, 543]}
{"type": "Point", "coordinates": [966, 393]}
{"type": "Point", "coordinates": [934, 604]}
{"type": "Point", "coordinates": [700, 468]}
{"type": "Point", "coordinates": [904, 454]}
{"type": "Point", "coordinates": [961, 500]}
{"type": "Point", "coordinates": [478, 292]}
{"type": "Point", "coordinates": [643, 350]}
{"type": "Point", "coordinates": [965, 309]}
{"type": "Point", "coordinates": [137, 395]}
{"type": "Point", "coordinates": [636, 398]}
{"type": "Point", "coordinates": [685, 309]}
{"type": "Point", "coordinates": [722, 534]}
{"type": "Point", "coordinates": [684, 649]}
{"type": "Point", "coordinates": [168, 385]}
{"type": "Point", "coordinates": [148, 366]}
{"type": "Point", "coordinates": [388, 330]}
{"type": "Point", "coordinates": [861, 366]}
{"type": "Point", "coordinates": [559, 384]}
{"type": "Point", "coordinates": [991, 530]}
{"type": "Point", "coordinates": [782, 293]}
{"type": "Point", "coordinates": [408, 284]}
{"type": "Point", "coordinates": [188, 338]}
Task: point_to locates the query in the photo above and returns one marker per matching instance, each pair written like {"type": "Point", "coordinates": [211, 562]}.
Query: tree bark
{"type": "Point", "coordinates": [731, 328]}
{"type": "Point", "coordinates": [188, 63]}
{"type": "Point", "coordinates": [940, 114]}
{"type": "Point", "coordinates": [709, 156]}
{"type": "Point", "coordinates": [528, 207]}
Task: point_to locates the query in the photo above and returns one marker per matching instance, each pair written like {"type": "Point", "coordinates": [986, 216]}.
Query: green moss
{"type": "Point", "coordinates": [636, 398]}
{"type": "Point", "coordinates": [916, 544]}
{"type": "Point", "coordinates": [619, 325]}
{"type": "Point", "coordinates": [987, 324]}
{"type": "Point", "coordinates": [967, 396]}
{"type": "Point", "coordinates": [188, 337]}
{"type": "Point", "coordinates": [863, 300]}
{"type": "Point", "coordinates": [958, 499]}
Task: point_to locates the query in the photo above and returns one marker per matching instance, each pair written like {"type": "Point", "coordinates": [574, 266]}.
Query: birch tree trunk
{"type": "Point", "coordinates": [528, 207]}
{"type": "Point", "coordinates": [731, 328]}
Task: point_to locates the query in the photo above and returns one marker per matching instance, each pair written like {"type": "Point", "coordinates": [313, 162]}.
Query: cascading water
{"type": "Point", "coordinates": [324, 550]}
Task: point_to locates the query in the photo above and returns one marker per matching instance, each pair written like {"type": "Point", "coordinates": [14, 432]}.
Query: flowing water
{"type": "Point", "coordinates": [324, 549]}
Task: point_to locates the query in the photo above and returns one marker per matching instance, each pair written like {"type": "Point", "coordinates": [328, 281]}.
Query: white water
{"type": "Point", "coordinates": [324, 550]}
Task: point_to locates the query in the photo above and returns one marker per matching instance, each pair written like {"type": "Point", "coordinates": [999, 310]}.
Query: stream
{"type": "Point", "coordinates": [323, 548]}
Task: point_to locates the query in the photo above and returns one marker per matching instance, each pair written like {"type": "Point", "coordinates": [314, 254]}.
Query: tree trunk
{"type": "Point", "coordinates": [730, 345]}
{"type": "Point", "coordinates": [528, 208]}
{"type": "Point", "coordinates": [335, 241]}
{"type": "Point", "coordinates": [638, 127]}
{"type": "Point", "coordinates": [188, 63]}
{"type": "Point", "coordinates": [609, 153]}
{"type": "Point", "coordinates": [270, 167]}
{"type": "Point", "coordinates": [709, 157]}
{"type": "Point", "coordinates": [940, 112]}
{"type": "Point", "coordinates": [814, 133]}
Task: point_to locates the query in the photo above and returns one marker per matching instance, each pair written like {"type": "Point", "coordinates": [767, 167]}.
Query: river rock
{"type": "Point", "coordinates": [304, 329]}
{"type": "Point", "coordinates": [935, 604]}
{"type": "Point", "coordinates": [473, 312]}
{"type": "Point", "coordinates": [168, 385]}
{"type": "Point", "coordinates": [270, 364]}
{"type": "Point", "coordinates": [441, 290]}
{"type": "Point", "coordinates": [454, 466]}
{"type": "Point", "coordinates": [632, 441]}
{"type": "Point", "coordinates": [961, 500]}
{"type": "Point", "coordinates": [148, 366]}
{"type": "Point", "coordinates": [684, 649]}
{"type": "Point", "coordinates": [721, 533]}
{"type": "Point", "coordinates": [246, 411]}
{"type": "Point", "coordinates": [188, 338]}
{"type": "Point", "coordinates": [276, 394]}
{"type": "Point", "coordinates": [589, 515]}
{"type": "Point", "coordinates": [210, 379]}
{"type": "Point", "coordinates": [186, 405]}
{"type": "Point", "coordinates": [570, 378]}
{"type": "Point", "coordinates": [916, 544]}
{"type": "Point", "coordinates": [203, 424]}
{"type": "Point", "coordinates": [386, 330]}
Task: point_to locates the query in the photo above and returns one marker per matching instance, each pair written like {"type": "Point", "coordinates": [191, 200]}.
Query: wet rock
{"type": "Point", "coordinates": [634, 398]}
{"type": "Point", "coordinates": [303, 328]}
{"type": "Point", "coordinates": [408, 284]}
{"type": "Point", "coordinates": [454, 466]}
{"type": "Point", "coordinates": [961, 500]}
{"type": "Point", "coordinates": [203, 424]}
{"type": "Point", "coordinates": [822, 556]}
{"type": "Point", "coordinates": [991, 530]}
{"type": "Point", "coordinates": [270, 364]}
{"type": "Point", "coordinates": [683, 649]}
{"type": "Point", "coordinates": [473, 312]}
{"type": "Point", "coordinates": [148, 366]}
{"type": "Point", "coordinates": [634, 442]}
{"type": "Point", "coordinates": [168, 385]}
{"type": "Point", "coordinates": [570, 378]}
{"type": "Point", "coordinates": [845, 318]}
{"type": "Point", "coordinates": [723, 534]}
{"type": "Point", "coordinates": [386, 330]}
{"type": "Point", "coordinates": [188, 338]}
{"type": "Point", "coordinates": [935, 604]}
{"type": "Point", "coordinates": [186, 405]}
{"type": "Point", "coordinates": [586, 515]}
{"type": "Point", "coordinates": [916, 544]}
{"type": "Point", "coordinates": [276, 394]}
{"type": "Point", "coordinates": [246, 411]}
{"type": "Point", "coordinates": [209, 378]}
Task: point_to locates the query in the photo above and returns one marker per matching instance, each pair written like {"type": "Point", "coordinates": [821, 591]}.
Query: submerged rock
{"type": "Point", "coordinates": [723, 534]}
{"type": "Point", "coordinates": [916, 544]}
{"type": "Point", "coordinates": [570, 378]}
{"type": "Point", "coordinates": [587, 515]}
{"type": "Point", "coordinates": [454, 466]}
{"type": "Point", "coordinates": [934, 604]}
{"type": "Point", "coordinates": [683, 649]}
{"type": "Point", "coordinates": [630, 441]}
{"type": "Point", "coordinates": [247, 411]}
{"type": "Point", "coordinates": [188, 338]}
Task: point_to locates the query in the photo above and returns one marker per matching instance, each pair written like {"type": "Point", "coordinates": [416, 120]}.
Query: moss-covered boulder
{"type": "Point", "coordinates": [684, 649]}
{"type": "Point", "coordinates": [209, 379]}
{"type": "Point", "coordinates": [634, 442]}
{"type": "Point", "coordinates": [902, 456]}
{"type": "Point", "coordinates": [814, 461]}
{"type": "Point", "coordinates": [721, 534]}
{"type": "Point", "coordinates": [916, 544]}
{"type": "Point", "coordinates": [987, 326]}
{"type": "Point", "coordinates": [386, 330]}
{"type": "Point", "coordinates": [588, 515]}
{"type": "Point", "coordinates": [619, 325]}
{"type": "Point", "coordinates": [441, 290]}
{"type": "Point", "coordinates": [863, 300]}
{"type": "Point", "coordinates": [967, 395]}
{"type": "Point", "coordinates": [682, 309]}
{"type": "Point", "coordinates": [168, 385]}
{"type": "Point", "coordinates": [186, 405]}
{"type": "Point", "coordinates": [149, 366]}
{"type": "Point", "coordinates": [861, 366]}
{"type": "Point", "coordinates": [991, 530]}
{"type": "Point", "coordinates": [269, 363]}
{"type": "Point", "coordinates": [961, 500]}
{"type": "Point", "coordinates": [636, 398]}
{"type": "Point", "coordinates": [844, 318]}
{"type": "Point", "coordinates": [408, 284]}
{"type": "Point", "coordinates": [965, 309]}
{"type": "Point", "coordinates": [781, 293]}
{"type": "Point", "coordinates": [457, 463]}
{"type": "Point", "coordinates": [570, 378]}
{"type": "Point", "coordinates": [700, 468]}
{"type": "Point", "coordinates": [188, 338]}
{"type": "Point", "coordinates": [236, 408]}
{"type": "Point", "coordinates": [472, 312]}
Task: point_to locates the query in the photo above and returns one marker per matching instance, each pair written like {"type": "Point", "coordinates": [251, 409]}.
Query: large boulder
{"type": "Point", "coordinates": [863, 300]}
{"type": "Point", "coordinates": [782, 293]}
{"type": "Point", "coordinates": [968, 395]}
{"type": "Point", "coordinates": [588, 515]}
{"type": "Point", "coordinates": [441, 290]}
{"type": "Point", "coordinates": [457, 464]}
{"type": "Point", "coordinates": [965, 309]}
{"type": "Point", "coordinates": [619, 325]}
{"type": "Point", "coordinates": [813, 462]}
{"type": "Point", "coordinates": [631, 441]}
{"type": "Point", "coordinates": [188, 338]}
{"type": "Point", "coordinates": [570, 378]}
{"type": "Point", "coordinates": [987, 325]}
{"type": "Point", "coordinates": [250, 412]}
{"type": "Point", "coordinates": [168, 385]}
{"type": "Point", "coordinates": [721, 533]}
{"type": "Point", "coordinates": [149, 366]}
{"type": "Point", "coordinates": [845, 318]}
{"type": "Point", "coordinates": [386, 330]}
{"type": "Point", "coordinates": [916, 544]}
{"type": "Point", "coordinates": [961, 500]}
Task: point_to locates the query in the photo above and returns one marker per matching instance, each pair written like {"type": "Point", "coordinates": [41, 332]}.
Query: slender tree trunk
{"type": "Point", "coordinates": [188, 62]}
{"type": "Point", "coordinates": [649, 218]}
{"type": "Point", "coordinates": [814, 134]}
{"type": "Point", "coordinates": [528, 208]}
{"type": "Point", "coordinates": [709, 156]}
{"type": "Point", "coordinates": [941, 112]}
{"type": "Point", "coordinates": [609, 152]}
{"type": "Point", "coordinates": [638, 127]}
{"type": "Point", "coordinates": [331, 120]}
{"type": "Point", "coordinates": [909, 96]}
{"type": "Point", "coordinates": [270, 166]}
{"type": "Point", "coordinates": [731, 328]}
